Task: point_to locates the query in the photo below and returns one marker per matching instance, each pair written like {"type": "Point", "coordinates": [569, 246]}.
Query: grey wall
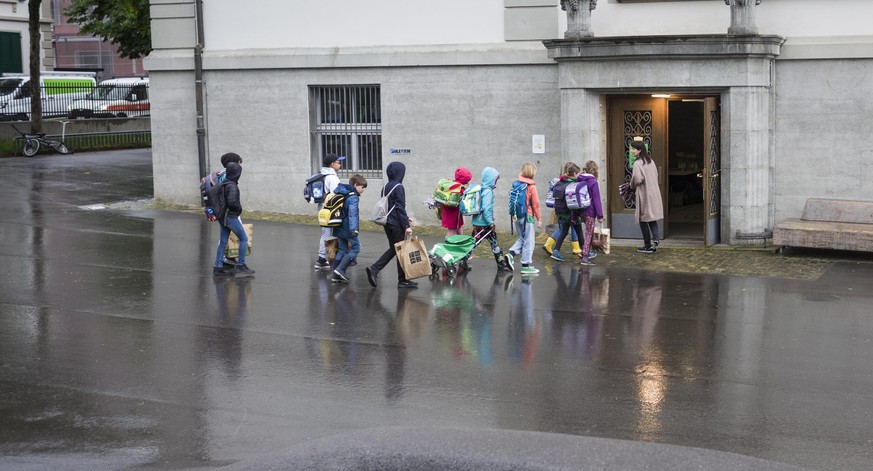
{"type": "Point", "coordinates": [824, 124]}
{"type": "Point", "coordinates": [473, 116]}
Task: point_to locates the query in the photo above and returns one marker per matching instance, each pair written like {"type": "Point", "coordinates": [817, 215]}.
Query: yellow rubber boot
{"type": "Point", "coordinates": [576, 248]}
{"type": "Point", "coordinates": [549, 245]}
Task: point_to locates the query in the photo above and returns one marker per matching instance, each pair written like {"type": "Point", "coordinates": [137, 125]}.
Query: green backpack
{"type": "Point", "coordinates": [448, 192]}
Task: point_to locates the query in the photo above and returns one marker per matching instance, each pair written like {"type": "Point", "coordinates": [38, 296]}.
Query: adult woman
{"type": "Point", "coordinates": [649, 208]}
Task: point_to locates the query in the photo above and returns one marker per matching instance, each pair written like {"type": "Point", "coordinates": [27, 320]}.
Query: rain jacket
{"type": "Point", "coordinates": [489, 180]}
{"type": "Point", "coordinates": [532, 198]}
{"type": "Point", "coordinates": [230, 187]}
{"type": "Point", "coordinates": [350, 225]}
{"type": "Point", "coordinates": [596, 208]}
{"type": "Point", "coordinates": [398, 217]}
{"type": "Point", "coordinates": [451, 215]}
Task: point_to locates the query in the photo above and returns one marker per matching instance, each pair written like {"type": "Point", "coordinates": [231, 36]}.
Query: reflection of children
{"type": "Point", "coordinates": [451, 215]}
{"type": "Point", "coordinates": [589, 177]}
{"type": "Point", "coordinates": [347, 234]}
{"type": "Point", "coordinates": [483, 223]}
{"type": "Point", "coordinates": [527, 228]}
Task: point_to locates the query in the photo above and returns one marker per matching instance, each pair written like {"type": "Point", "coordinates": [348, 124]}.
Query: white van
{"type": "Point", "coordinates": [114, 98]}
{"type": "Point", "coordinates": [58, 89]}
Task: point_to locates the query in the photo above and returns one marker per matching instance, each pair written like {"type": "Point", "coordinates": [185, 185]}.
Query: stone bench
{"type": "Point", "coordinates": [829, 224]}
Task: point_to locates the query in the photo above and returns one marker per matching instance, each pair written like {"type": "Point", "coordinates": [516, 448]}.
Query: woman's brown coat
{"type": "Point", "coordinates": [645, 181]}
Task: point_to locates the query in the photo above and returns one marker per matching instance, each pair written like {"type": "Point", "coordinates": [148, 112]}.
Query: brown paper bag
{"type": "Point", "coordinates": [232, 250]}
{"type": "Point", "coordinates": [331, 246]}
{"type": "Point", "coordinates": [412, 254]}
{"type": "Point", "coordinates": [601, 239]}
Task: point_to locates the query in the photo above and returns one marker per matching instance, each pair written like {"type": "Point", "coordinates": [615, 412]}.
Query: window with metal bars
{"type": "Point", "coordinates": [347, 120]}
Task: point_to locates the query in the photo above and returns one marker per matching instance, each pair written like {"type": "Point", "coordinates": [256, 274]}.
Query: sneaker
{"type": "Point", "coordinates": [510, 261]}
{"type": "Point", "coordinates": [557, 256]}
{"type": "Point", "coordinates": [588, 262]}
{"type": "Point", "coordinates": [657, 243]}
{"type": "Point", "coordinates": [529, 270]}
{"type": "Point", "coordinates": [342, 276]}
{"type": "Point", "coordinates": [228, 263]}
{"type": "Point", "coordinates": [244, 269]}
{"type": "Point", "coordinates": [371, 275]}
{"type": "Point", "coordinates": [354, 263]}
{"type": "Point", "coordinates": [465, 265]}
{"type": "Point", "coordinates": [221, 271]}
{"type": "Point", "coordinates": [592, 255]}
{"type": "Point", "coordinates": [407, 284]}
{"type": "Point", "coordinates": [321, 264]}
{"type": "Point", "coordinates": [334, 278]}
{"type": "Point", "coordinates": [645, 250]}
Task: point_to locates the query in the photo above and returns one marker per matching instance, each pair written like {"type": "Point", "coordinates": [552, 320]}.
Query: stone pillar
{"type": "Point", "coordinates": [578, 18]}
{"type": "Point", "coordinates": [581, 133]}
{"type": "Point", "coordinates": [743, 17]}
{"type": "Point", "coordinates": [747, 206]}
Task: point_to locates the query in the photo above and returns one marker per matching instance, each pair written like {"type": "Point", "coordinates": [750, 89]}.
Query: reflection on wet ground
{"type": "Point", "coordinates": [119, 349]}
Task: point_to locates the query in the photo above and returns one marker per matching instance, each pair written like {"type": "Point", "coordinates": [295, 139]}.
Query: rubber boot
{"type": "Point", "coordinates": [549, 245]}
{"type": "Point", "coordinates": [576, 248]}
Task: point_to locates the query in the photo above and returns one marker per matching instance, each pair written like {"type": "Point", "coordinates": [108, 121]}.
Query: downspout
{"type": "Point", "coordinates": [198, 89]}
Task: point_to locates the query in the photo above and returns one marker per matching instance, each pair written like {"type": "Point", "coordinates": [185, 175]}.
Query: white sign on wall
{"type": "Point", "coordinates": [539, 144]}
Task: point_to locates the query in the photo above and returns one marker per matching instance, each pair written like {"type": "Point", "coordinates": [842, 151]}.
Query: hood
{"type": "Point", "coordinates": [463, 176]}
{"type": "Point", "coordinates": [565, 178]}
{"type": "Point", "coordinates": [489, 177]}
{"type": "Point", "coordinates": [396, 171]}
{"type": "Point", "coordinates": [234, 170]}
{"type": "Point", "coordinates": [345, 189]}
{"type": "Point", "coordinates": [524, 179]}
{"type": "Point", "coordinates": [586, 177]}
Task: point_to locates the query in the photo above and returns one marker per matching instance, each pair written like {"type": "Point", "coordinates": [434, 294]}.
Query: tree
{"type": "Point", "coordinates": [126, 23]}
{"type": "Point", "coordinates": [33, 12]}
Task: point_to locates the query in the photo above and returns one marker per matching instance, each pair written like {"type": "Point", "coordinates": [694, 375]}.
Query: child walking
{"type": "Point", "coordinates": [526, 228]}
{"type": "Point", "coordinates": [348, 244]}
{"type": "Point", "coordinates": [566, 217]}
{"type": "Point", "coordinates": [229, 221]}
{"type": "Point", "coordinates": [451, 216]}
{"type": "Point", "coordinates": [483, 223]}
{"type": "Point", "coordinates": [589, 177]}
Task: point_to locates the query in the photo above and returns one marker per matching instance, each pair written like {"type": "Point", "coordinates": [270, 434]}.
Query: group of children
{"type": "Point", "coordinates": [527, 218]}
{"type": "Point", "coordinates": [526, 214]}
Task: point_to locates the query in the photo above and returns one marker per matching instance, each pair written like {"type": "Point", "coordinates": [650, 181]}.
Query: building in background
{"type": "Point", "coordinates": [74, 51]}
{"type": "Point", "coordinates": [744, 122]}
{"type": "Point", "coordinates": [15, 38]}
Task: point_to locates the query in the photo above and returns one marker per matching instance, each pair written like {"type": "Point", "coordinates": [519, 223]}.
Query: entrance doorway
{"type": "Point", "coordinates": [682, 135]}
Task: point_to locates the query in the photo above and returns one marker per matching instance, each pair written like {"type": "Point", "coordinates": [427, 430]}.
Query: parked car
{"type": "Point", "coordinates": [58, 91]}
{"type": "Point", "coordinates": [114, 98]}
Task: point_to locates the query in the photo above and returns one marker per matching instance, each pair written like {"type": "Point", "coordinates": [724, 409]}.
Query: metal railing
{"type": "Point", "coordinates": [75, 100]}
{"type": "Point", "coordinates": [81, 142]}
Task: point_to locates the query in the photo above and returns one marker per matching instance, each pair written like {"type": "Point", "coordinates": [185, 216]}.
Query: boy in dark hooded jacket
{"type": "Point", "coordinates": [397, 227]}
{"type": "Point", "coordinates": [348, 245]}
{"type": "Point", "coordinates": [230, 221]}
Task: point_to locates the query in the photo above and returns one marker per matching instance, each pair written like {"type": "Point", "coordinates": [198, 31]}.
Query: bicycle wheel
{"type": "Point", "coordinates": [31, 147]}
{"type": "Point", "coordinates": [60, 147]}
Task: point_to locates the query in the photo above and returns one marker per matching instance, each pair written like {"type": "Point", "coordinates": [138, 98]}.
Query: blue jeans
{"type": "Point", "coordinates": [235, 225]}
{"type": "Point", "coordinates": [573, 235]}
{"type": "Point", "coordinates": [347, 250]}
{"type": "Point", "coordinates": [525, 243]}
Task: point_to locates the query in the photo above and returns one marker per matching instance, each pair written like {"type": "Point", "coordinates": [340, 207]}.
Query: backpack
{"type": "Point", "coordinates": [471, 202]}
{"type": "Point", "coordinates": [550, 196]}
{"type": "Point", "coordinates": [518, 200]}
{"type": "Point", "coordinates": [313, 191]}
{"type": "Point", "coordinates": [215, 202]}
{"type": "Point", "coordinates": [558, 192]}
{"type": "Point", "coordinates": [577, 195]}
{"type": "Point", "coordinates": [381, 211]}
{"type": "Point", "coordinates": [331, 214]}
{"type": "Point", "coordinates": [448, 192]}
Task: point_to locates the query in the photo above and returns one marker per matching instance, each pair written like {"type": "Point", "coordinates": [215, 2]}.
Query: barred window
{"type": "Point", "coordinates": [347, 121]}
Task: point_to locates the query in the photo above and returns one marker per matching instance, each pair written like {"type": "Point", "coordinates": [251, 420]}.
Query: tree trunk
{"type": "Point", "coordinates": [33, 9]}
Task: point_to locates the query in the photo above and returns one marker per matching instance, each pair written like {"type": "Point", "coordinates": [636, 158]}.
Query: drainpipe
{"type": "Point", "coordinates": [198, 89]}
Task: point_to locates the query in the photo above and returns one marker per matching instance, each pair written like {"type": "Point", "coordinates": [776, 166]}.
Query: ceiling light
{"type": "Point", "coordinates": [661, 95]}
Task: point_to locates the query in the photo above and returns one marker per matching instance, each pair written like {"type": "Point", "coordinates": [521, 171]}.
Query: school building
{"type": "Point", "coordinates": [749, 107]}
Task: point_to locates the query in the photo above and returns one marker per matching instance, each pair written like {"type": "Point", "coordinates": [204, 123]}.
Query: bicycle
{"type": "Point", "coordinates": [32, 142]}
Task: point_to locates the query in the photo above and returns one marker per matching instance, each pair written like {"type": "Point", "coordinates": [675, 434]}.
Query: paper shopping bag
{"type": "Point", "coordinates": [331, 246]}
{"type": "Point", "coordinates": [601, 239]}
{"type": "Point", "coordinates": [232, 250]}
{"type": "Point", "coordinates": [412, 254]}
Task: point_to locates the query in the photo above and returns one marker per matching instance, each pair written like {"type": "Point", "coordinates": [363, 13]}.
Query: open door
{"type": "Point", "coordinates": [629, 117]}
{"type": "Point", "coordinates": [712, 173]}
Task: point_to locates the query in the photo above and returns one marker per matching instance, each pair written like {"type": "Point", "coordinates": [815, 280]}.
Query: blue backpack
{"type": "Point", "coordinates": [518, 200]}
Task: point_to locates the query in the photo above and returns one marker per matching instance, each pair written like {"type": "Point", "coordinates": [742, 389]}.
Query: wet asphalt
{"type": "Point", "coordinates": [118, 349]}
